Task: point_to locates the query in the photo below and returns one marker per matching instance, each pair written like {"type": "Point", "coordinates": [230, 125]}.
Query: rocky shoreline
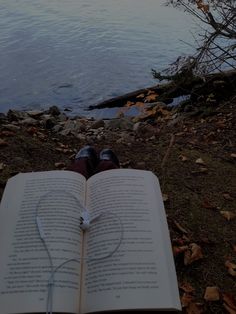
{"type": "Point", "coordinates": [192, 153]}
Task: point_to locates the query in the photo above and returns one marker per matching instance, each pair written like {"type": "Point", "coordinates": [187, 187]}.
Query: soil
{"type": "Point", "coordinates": [194, 157]}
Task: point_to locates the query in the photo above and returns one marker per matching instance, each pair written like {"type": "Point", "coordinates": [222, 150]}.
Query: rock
{"type": "Point", "coordinates": [62, 117]}
{"type": "Point", "coordinates": [65, 132]}
{"type": "Point", "coordinates": [57, 128]}
{"type": "Point", "coordinates": [81, 137]}
{"type": "Point", "coordinates": [98, 124]}
{"type": "Point", "coordinates": [54, 111]}
{"type": "Point", "coordinates": [11, 127]}
{"type": "Point", "coordinates": [122, 123]}
{"type": "Point", "coordinates": [137, 126]}
{"type": "Point", "coordinates": [48, 121]}
{"type": "Point", "coordinates": [14, 115]}
{"type": "Point", "coordinates": [29, 121]}
{"type": "Point", "coordinates": [35, 113]}
{"type": "Point", "coordinates": [2, 116]}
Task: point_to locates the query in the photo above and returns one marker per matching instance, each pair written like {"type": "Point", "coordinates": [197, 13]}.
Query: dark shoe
{"type": "Point", "coordinates": [108, 154]}
{"type": "Point", "coordinates": [90, 153]}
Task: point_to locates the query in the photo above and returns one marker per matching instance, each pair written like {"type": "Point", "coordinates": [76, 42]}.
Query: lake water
{"type": "Point", "coordinates": [74, 53]}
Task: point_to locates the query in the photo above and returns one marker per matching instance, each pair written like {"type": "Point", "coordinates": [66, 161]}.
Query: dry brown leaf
{"type": "Point", "coordinates": [186, 299]}
{"type": "Point", "coordinates": [199, 161]}
{"type": "Point", "coordinates": [183, 158]}
{"type": "Point", "coordinates": [151, 98]}
{"type": "Point", "coordinates": [228, 214]}
{"type": "Point", "coordinates": [229, 303]}
{"type": "Point", "coordinates": [140, 96]}
{"type": "Point", "coordinates": [193, 254]}
{"type": "Point", "coordinates": [212, 294]}
{"type": "Point", "coordinates": [150, 92]}
{"type": "Point", "coordinates": [195, 308]}
{"type": "Point", "coordinates": [129, 104]}
{"type": "Point", "coordinates": [179, 227]}
{"type": "Point", "coordinates": [233, 155]}
{"type": "Point", "coordinates": [165, 197]}
{"type": "Point", "coordinates": [231, 268]}
{"type": "Point", "coordinates": [227, 196]}
{"type": "Point", "coordinates": [179, 249]}
{"type": "Point", "coordinates": [60, 165]}
{"type": "Point", "coordinates": [186, 287]}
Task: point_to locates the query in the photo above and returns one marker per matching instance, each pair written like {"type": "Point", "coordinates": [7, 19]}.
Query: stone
{"type": "Point", "coordinates": [48, 121]}
{"type": "Point", "coordinates": [98, 124]}
{"type": "Point", "coordinates": [35, 113]}
{"type": "Point", "coordinates": [54, 111]}
{"type": "Point", "coordinates": [62, 117]}
{"type": "Point", "coordinates": [65, 132]}
{"type": "Point", "coordinates": [57, 128]}
{"type": "Point", "coordinates": [3, 116]}
{"type": "Point", "coordinates": [122, 123]}
{"type": "Point", "coordinates": [11, 127]}
{"type": "Point", "coordinates": [81, 137]}
{"type": "Point", "coordinates": [29, 121]}
{"type": "Point", "coordinates": [137, 126]}
{"type": "Point", "coordinates": [15, 115]}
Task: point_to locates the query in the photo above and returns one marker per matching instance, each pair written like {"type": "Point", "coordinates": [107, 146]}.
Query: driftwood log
{"type": "Point", "coordinates": [222, 83]}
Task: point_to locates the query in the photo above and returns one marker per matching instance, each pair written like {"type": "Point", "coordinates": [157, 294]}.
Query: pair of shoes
{"type": "Point", "coordinates": [108, 154]}
{"type": "Point", "coordinates": [90, 153]}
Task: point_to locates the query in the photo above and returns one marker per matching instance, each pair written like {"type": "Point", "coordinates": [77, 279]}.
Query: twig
{"type": "Point", "coordinates": [168, 151]}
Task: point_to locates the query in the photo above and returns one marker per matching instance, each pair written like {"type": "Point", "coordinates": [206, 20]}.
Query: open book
{"type": "Point", "coordinates": [122, 262]}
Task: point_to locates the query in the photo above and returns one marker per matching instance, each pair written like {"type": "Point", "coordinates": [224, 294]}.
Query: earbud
{"type": "Point", "coordinates": [85, 220]}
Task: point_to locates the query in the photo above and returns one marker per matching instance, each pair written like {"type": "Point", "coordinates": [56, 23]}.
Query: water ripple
{"type": "Point", "coordinates": [79, 52]}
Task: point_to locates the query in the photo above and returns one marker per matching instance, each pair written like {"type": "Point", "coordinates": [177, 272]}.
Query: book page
{"type": "Point", "coordinates": [140, 274]}
{"type": "Point", "coordinates": [54, 197]}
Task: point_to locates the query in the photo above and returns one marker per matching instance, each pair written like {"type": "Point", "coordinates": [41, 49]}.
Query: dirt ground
{"type": "Point", "coordinates": [194, 157]}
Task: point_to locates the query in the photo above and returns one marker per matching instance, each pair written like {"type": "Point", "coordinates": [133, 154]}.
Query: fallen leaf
{"type": "Point", "coordinates": [140, 96]}
{"type": "Point", "coordinates": [229, 303]}
{"type": "Point", "coordinates": [193, 254]}
{"type": "Point", "coordinates": [150, 92]}
{"type": "Point", "coordinates": [195, 308]}
{"type": "Point", "coordinates": [151, 98]}
{"type": "Point", "coordinates": [186, 287]}
{"type": "Point", "coordinates": [228, 214]}
{"type": "Point", "coordinates": [212, 294]}
{"type": "Point", "coordinates": [2, 166]}
{"type": "Point", "coordinates": [165, 197]}
{"type": "Point", "coordinates": [183, 158]}
{"type": "Point", "coordinates": [199, 161]}
{"type": "Point", "coordinates": [227, 196]}
{"type": "Point", "coordinates": [231, 268]}
{"type": "Point", "coordinates": [59, 164]}
{"type": "Point", "coordinates": [186, 299]}
{"type": "Point", "coordinates": [179, 249]}
{"type": "Point", "coordinates": [129, 104]}
{"type": "Point", "coordinates": [233, 155]}
{"type": "Point", "coordinates": [179, 227]}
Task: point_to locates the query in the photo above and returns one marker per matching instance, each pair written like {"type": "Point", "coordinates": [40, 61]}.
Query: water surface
{"type": "Point", "coordinates": [74, 53]}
